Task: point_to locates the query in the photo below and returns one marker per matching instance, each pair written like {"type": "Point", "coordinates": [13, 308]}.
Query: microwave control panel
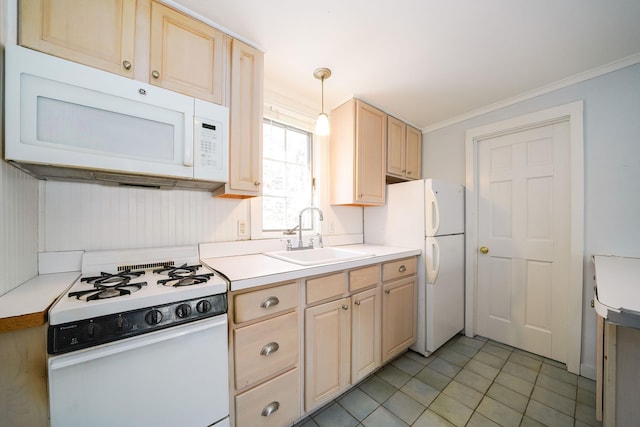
{"type": "Point", "coordinates": [210, 150]}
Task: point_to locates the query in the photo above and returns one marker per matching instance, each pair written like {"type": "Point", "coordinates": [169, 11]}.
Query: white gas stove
{"type": "Point", "coordinates": [139, 320]}
{"type": "Point", "coordinates": [131, 279]}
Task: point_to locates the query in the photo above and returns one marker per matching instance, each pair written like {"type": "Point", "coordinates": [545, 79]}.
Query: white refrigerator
{"type": "Point", "coordinates": [427, 214]}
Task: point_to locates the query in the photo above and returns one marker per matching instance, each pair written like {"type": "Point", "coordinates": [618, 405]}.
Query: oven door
{"type": "Point", "coordinates": [174, 377]}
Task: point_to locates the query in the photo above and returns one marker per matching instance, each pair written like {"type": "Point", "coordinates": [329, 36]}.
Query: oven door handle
{"type": "Point", "coordinates": [70, 359]}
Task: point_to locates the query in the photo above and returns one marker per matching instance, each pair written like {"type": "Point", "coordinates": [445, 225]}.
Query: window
{"type": "Point", "coordinates": [287, 174]}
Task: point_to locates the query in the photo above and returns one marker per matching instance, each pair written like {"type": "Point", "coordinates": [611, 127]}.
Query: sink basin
{"type": "Point", "coordinates": [318, 255]}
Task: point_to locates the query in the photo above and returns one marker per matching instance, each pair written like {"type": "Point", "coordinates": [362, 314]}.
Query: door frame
{"type": "Point", "coordinates": [572, 113]}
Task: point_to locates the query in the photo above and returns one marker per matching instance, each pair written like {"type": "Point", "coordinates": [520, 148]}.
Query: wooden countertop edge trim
{"type": "Point", "coordinates": [24, 321]}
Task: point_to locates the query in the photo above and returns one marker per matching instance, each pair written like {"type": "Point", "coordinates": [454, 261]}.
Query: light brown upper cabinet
{"type": "Point", "coordinates": [358, 154]}
{"type": "Point", "coordinates": [186, 55]}
{"type": "Point", "coordinates": [245, 136]}
{"type": "Point", "coordinates": [97, 33]}
{"type": "Point", "coordinates": [142, 39]}
{"type": "Point", "coordinates": [404, 151]}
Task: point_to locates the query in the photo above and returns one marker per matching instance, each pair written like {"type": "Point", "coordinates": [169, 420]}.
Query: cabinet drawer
{"type": "Point", "coordinates": [272, 404]}
{"type": "Point", "coordinates": [325, 287]}
{"type": "Point", "coordinates": [265, 348]}
{"type": "Point", "coordinates": [363, 278]}
{"type": "Point", "coordinates": [253, 305]}
{"type": "Point", "coordinates": [401, 268]}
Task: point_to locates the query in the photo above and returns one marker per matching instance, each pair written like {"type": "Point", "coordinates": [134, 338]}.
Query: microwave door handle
{"type": "Point", "coordinates": [188, 147]}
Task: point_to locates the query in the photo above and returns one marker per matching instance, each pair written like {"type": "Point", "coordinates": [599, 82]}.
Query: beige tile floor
{"type": "Point", "coordinates": [468, 382]}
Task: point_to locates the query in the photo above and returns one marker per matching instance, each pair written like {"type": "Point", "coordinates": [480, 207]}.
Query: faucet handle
{"type": "Point", "coordinates": [320, 244]}
{"type": "Point", "coordinates": [311, 242]}
{"type": "Point", "coordinates": [289, 245]}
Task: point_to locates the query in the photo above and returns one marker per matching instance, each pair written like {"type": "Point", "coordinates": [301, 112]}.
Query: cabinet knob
{"type": "Point", "coordinates": [356, 302]}
{"type": "Point", "coordinates": [484, 250]}
{"type": "Point", "coordinates": [155, 74]}
{"type": "Point", "coordinates": [345, 307]}
{"type": "Point", "coordinates": [269, 302]}
{"type": "Point", "coordinates": [387, 291]}
{"type": "Point", "coordinates": [402, 268]}
{"type": "Point", "coordinates": [126, 64]}
{"type": "Point", "coordinates": [403, 170]}
{"type": "Point", "coordinates": [272, 347]}
{"type": "Point", "coordinates": [270, 409]}
{"type": "Point", "coordinates": [257, 183]}
{"type": "Point", "coordinates": [409, 172]}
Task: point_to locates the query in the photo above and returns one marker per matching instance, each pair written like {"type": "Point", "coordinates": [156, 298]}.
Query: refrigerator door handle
{"type": "Point", "coordinates": [434, 261]}
{"type": "Point", "coordinates": [435, 215]}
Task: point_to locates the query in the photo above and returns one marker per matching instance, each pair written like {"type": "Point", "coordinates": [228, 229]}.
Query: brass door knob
{"type": "Point", "coordinates": [484, 250]}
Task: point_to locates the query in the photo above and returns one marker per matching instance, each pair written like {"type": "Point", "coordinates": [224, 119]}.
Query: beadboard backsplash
{"type": "Point", "coordinates": [94, 217]}
{"type": "Point", "coordinates": [18, 227]}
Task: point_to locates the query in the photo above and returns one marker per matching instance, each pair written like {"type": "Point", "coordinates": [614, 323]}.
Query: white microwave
{"type": "Point", "coordinates": [68, 121]}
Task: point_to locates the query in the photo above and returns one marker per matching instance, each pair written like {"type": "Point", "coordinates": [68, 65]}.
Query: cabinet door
{"type": "Point", "coordinates": [327, 347]}
{"type": "Point", "coordinates": [399, 322]}
{"type": "Point", "coordinates": [365, 333]}
{"type": "Point", "coordinates": [371, 147]}
{"type": "Point", "coordinates": [97, 33]}
{"type": "Point", "coordinates": [396, 136]}
{"type": "Point", "coordinates": [186, 55]}
{"type": "Point", "coordinates": [413, 153]}
{"type": "Point", "coordinates": [245, 158]}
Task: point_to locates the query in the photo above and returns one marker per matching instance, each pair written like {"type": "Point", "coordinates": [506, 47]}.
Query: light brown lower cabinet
{"type": "Point", "coordinates": [365, 333]}
{"type": "Point", "coordinates": [264, 356]}
{"type": "Point", "coordinates": [23, 377]}
{"type": "Point", "coordinates": [296, 346]}
{"type": "Point", "coordinates": [327, 346]}
{"type": "Point", "coordinates": [399, 307]}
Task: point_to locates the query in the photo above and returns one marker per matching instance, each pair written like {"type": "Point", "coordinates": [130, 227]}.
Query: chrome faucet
{"type": "Point", "coordinates": [300, 244]}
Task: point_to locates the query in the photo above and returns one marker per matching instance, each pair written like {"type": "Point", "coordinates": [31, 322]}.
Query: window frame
{"type": "Point", "coordinates": [256, 203]}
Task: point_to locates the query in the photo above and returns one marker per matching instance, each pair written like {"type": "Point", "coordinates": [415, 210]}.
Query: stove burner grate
{"type": "Point", "coordinates": [185, 275]}
{"type": "Point", "coordinates": [107, 291]}
{"type": "Point", "coordinates": [109, 285]}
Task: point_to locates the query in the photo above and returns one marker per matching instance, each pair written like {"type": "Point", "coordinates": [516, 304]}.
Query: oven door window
{"type": "Point", "coordinates": [177, 376]}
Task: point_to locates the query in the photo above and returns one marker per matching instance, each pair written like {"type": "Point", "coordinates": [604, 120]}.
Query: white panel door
{"type": "Point", "coordinates": [523, 236]}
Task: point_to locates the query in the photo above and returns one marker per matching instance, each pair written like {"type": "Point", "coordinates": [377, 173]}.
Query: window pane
{"type": "Point", "coordinates": [286, 175]}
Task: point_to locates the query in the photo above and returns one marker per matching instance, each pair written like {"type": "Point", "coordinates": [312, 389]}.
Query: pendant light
{"type": "Point", "coordinates": [322, 124]}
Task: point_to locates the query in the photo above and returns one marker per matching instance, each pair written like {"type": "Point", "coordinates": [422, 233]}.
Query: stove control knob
{"type": "Point", "coordinates": [92, 330]}
{"type": "Point", "coordinates": [203, 306]}
{"type": "Point", "coordinates": [122, 323]}
{"type": "Point", "coordinates": [153, 317]}
{"type": "Point", "coordinates": [183, 310]}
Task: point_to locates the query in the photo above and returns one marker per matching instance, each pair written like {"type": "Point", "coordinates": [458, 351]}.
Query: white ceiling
{"type": "Point", "coordinates": [427, 61]}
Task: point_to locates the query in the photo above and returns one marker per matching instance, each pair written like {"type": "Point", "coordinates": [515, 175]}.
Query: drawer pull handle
{"type": "Point", "coordinates": [272, 347]}
{"type": "Point", "coordinates": [402, 268]}
{"type": "Point", "coordinates": [388, 291]}
{"type": "Point", "coordinates": [270, 409]}
{"type": "Point", "coordinates": [269, 302]}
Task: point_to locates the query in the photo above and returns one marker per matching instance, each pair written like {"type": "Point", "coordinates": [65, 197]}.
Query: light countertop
{"type": "Point", "coordinates": [618, 289]}
{"type": "Point", "coordinates": [27, 305]}
{"type": "Point", "coordinates": [248, 271]}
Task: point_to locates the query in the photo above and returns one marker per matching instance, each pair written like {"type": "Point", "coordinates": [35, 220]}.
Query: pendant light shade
{"type": "Point", "coordinates": [322, 123]}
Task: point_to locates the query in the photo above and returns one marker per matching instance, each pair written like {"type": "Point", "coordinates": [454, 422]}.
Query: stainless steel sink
{"type": "Point", "coordinates": [319, 255]}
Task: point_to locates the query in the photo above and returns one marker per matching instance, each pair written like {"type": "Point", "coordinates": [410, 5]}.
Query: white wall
{"type": "Point", "coordinates": [612, 168]}
{"type": "Point", "coordinates": [18, 203]}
